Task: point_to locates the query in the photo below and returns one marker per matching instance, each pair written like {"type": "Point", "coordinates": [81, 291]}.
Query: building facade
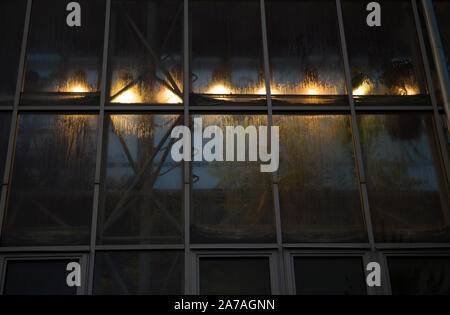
{"type": "Point", "coordinates": [86, 114]}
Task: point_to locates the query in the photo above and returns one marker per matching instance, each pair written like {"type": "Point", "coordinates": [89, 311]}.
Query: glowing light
{"type": "Point", "coordinates": [78, 89]}
{"type": "Point", "coordinates": [169, 97]}
{"type": "Point", "coordinates": [127, 97]}
{"type": "Point", "coordinates": [219, 89]}
{"type": "Point", "coordinates": [409, 91]}
{"type": "Point", "coordinates": [312, 91]}
{"type": "Point", "coordinates": [261, 91]}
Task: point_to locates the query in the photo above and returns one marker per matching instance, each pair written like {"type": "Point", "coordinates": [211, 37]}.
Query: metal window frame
{"type": "Point", "coordinates": [279, 251]}
{"type": "Point", "coordinates": [275, 275]}
{"type": "Point", "coordinates": [81, 258]}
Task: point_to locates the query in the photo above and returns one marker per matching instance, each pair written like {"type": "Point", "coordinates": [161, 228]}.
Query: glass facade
{"type": "Point", "coordinates": [88, 113]}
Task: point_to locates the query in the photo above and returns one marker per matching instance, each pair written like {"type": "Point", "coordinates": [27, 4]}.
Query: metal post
{"type": "Point", "coordinates": [438, 53]}
{"type": "Point", "coordinates": [101, 120]}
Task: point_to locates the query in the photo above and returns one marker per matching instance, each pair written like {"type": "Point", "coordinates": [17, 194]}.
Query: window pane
{"type": "Point", "coordinates": [38, 277]}
{"type": "Point", "coordinates": [419, 275]}
{"type": "Point", "coordinates": [304, 48]}
{"type": "Point", "coordinates": [408, 195]}
{"type": "Point", "coordinates": [157, 272]}
{"type": "Point", "coordinates": [5, 122]}
{"type": "Point", "coordinates": [442, 10]}
{"type": "Point", "coordinates": [234, 276]}
{"type": "Point", "coordinates": [226, 47]}
{"type": "Point", "coordinates": [231, 201]}
{"type": "Point", "coordinates": [318, 186]}
{"type": "Point", "coordinates": [383, 60]}
{"type": "Point", "coordinates": [52, 187]}
{"type": "Point", "coordinates": [142, 200]}
{"type": "Point", "coordinates": [146, 55]}
{"type": "Point", "coordinates": [64, 65]}
{"type": "Point", "coordinates": [341, 276]}
{"type": "Point", "coordinates": [12, 17]}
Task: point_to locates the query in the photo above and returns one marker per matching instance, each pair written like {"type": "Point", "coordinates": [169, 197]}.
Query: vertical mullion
{"type": "Point", "coordinates": [438, 53]}
{"type": "Point", "coordinates": [426, 65]}
{"type": "Point", "coordinates": [276, 199]}
{"type": "Point", "coordinates": [15, 116]}
{"type": "Point", "coordinates": [355, 132]}
{"type": "Point", "coordinates": [186, 173]}
{"type": "Point", "coordinates": [101, 122]}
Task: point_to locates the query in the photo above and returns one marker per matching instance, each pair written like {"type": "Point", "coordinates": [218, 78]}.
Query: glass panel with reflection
{"type": "Point", "coordinates": [442, 10]}
{"type": "Point", "coordinates": [12, 17]}
{"type": "Point", "coordinates": [408, 194]}
{"type": "Point", "coordinates": [384, 60]}
{"type": "Point", "coordinates": [139, 273]}
{"type": "Point", "coordinates": [146, 52]}
{"type": "Point", "coordinates": [37, 277]}
{"type": "Point", "coordinates": [51, 193]}
{"type": "Point", "coordinates": [226, 42]}
{"type": "Point", "coordinates": [330, 275]}
{"type": "Point", "coordinates": [231, 201]}
{"type": "Point", "coordinates": [318, 184]}
{"type": "Point", "coordinates": [304, 48]}
{"type": "Point", "coordinates": [235, 276]}
{"type": "Point", "coordinates": [419, 275]}
{"type": "Point", "coordinates": [63, 63]}
{"type": "Point", "coordinates": [141, 200]}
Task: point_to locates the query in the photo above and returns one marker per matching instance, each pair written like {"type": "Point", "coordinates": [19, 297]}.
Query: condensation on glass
{"type": "Point", "coordinates": [235, 276]}
{"type": "Point", "coordinates": [52, 187]}
{"type": "Point", "coordinates": [318, 184]}
{"type": "Point", "coordinates": [37, 277]}
{"type": "Point", "coordinates": [384, 60]}
{"type": "Point", "coordinates": [63, 63]}
{"type": "Point", "coordinates": [408, 193]}
{"type": "Point", "coordinates": [226, 47]}
{"type": "Point", "coordinates": [329, 276]}
{"type": "Point", "coordinates": [143, 273]}
{"type": "Point", "coordinates": [419, 275]}
{"type": "Point", "coordinates": [304, 50]}
{"type": "Point", "coordinates": [231, 201]}
{"type": "Point", "coordinates": [5, 122]}
{"type": "Point", "coordinates": [146, 57]}
{"type": "Point", "coordinates": [141, 200]}
{"type": "Point", "coordinates": [12, 17]}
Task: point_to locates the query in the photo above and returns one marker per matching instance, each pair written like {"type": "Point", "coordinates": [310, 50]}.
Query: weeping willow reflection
{"type": "Point", "coordinates": [146, 60]}
{"type": "Point", "coordinates": [232, 201]}
{"type": "Point", "coordinates": [318, 187]}
{"type": "Point", "coordinates": [141, 201]}
{"type": "Point", "coordinates": [409, 198]}
{"type": "Point", "coordinates": [53, 177]}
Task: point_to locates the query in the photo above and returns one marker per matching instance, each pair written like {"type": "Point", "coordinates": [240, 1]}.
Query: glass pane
{"type": "Point", "coordinates": [231, 201]}
{"type": "Point", "coordinates": [12, 17]}
{"type": "Point", "coordinates": [5, 122]}
{"type": "Point", "coordinates": [442, 10]}
{"type": "Point", "coordinates": [52, 187]}
{"type": "Point", "coordinates": [142, 198]}
{"type": "Point", "coordinates": [408, 195]}
{"type": "Point", "coordinates": [384, 60]}
{"type": "Point", "coordinates": [226, 47]}
{"type": "Point", "coordinates": [38, 277]}
{"type": "Point", "coordinates": [235, 276]}
{"type": "Point", "coordinates": [340, 276]}
{"type": "Point", "coordinates": [156, 272]}
{"type": "Point", "coordinates": [318, 185]}
{"type": "Point", "coordinates": [64, 65]}
{"type": "Point", "coordinates": [304, 48]}
{"type": "Point", "coordinates": [146, 56]}
{"type": "Point", "coordinates": [419, 275]}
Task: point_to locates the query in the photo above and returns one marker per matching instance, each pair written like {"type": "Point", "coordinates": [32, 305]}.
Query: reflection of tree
{"type": "Point", "coordinates": [318, 186]}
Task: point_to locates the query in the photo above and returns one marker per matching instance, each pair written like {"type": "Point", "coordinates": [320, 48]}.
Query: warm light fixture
{"type": "Point", "coordinates": [219, 89]}
{"type": "Point", "coordinates": [169, 97]}
{"type": "Point", "coordinates": [127, 97]}
{"type": "Point", "coordinates": [78, 89]}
